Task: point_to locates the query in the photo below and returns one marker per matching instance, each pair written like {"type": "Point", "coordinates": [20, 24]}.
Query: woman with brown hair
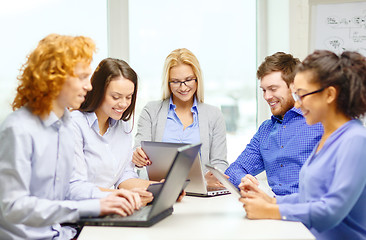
{"type": "Point", "coordinates": [103, 133]}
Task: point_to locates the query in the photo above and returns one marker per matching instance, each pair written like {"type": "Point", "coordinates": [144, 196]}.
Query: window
{"type": "Point", "coordinates": [24, 23]}
{"type": "Point", "coordinates": [222, 34]}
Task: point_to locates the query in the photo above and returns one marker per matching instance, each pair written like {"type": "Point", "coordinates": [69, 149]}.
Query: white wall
{"type": "Point", "coordinates": [24, 23]}
{"type": "Point", "coordinates": [273, 33]}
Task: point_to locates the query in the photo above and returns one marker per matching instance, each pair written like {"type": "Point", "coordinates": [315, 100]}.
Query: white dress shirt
{"type": "Point", "coordinates": [104, 160]}
{"type": "Point", "coordinates": [36, 164]}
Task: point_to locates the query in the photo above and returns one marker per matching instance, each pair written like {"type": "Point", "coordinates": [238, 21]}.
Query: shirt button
{"type": "Point", "coordinates": [284, 217]}
{"type": "Point", "coordinates": [284, 126]}
{"type": "Point", "coordinates": [280, 184]}
{"type": "Point", "coordinates": [281, 146]}
{"type": "Point", "coordinates": [281, 165]}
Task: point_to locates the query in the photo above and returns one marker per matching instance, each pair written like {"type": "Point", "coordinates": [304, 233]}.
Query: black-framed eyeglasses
{"type": "Point", "coordinates": [187, 83]}
{"type": "Point", "coordinates": [298, 98]}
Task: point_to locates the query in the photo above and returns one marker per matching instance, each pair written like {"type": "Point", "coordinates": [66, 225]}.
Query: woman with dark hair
{"type": "Point", "coordinates": [103, 135]}
{"type": "Point", "coordinates": [331, 202]}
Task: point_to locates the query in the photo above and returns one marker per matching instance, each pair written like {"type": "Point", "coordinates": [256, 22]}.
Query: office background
{"type": "Point", "coordinates": [230, 39]}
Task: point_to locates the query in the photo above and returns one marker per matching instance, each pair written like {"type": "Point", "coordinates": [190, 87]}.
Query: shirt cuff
{"type": "Point", "coordinates": [89, 208]}
{"type": "Point", "coordinates": [221, 166]}
{"type": "Point", "coordinates": [97, 193]}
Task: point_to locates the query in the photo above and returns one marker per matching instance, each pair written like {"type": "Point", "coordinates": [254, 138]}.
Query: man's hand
{"type": "Point", "coordinates": [121, 202]}
{"type": "Point", "coordinates": [212, 181]}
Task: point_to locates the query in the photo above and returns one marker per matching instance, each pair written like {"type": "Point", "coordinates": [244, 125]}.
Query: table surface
{"type": "Point", "coordinates": [221, 217]}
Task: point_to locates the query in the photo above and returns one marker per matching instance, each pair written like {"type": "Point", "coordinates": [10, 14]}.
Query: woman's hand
{"type": "Point", "coordinates": [257, 203]}
{"type": "Point", "coordinates": [249, 184]}
{"type": "Point", "coordinates": [139, 158]}
{"type": "Point", "coordinates": [258, 208]}
{"type": "Point", "coordinates": [145, 196]}
{"type": "Point", "coordinates": [181, 196]}
{"type": "Point", "coordinates": [250, 178]}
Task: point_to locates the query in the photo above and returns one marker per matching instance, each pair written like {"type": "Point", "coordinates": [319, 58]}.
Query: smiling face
{"type": "Point", "coordinates": [74, 89]}
{"type": "Point", "coordinates": [314, 106]}
{"type": "Point", "coordinates": [117, 99]}
{"type": "Point", "coordinates": [276, 93]}
{"type": "Point", "coordinates": [182, 93]}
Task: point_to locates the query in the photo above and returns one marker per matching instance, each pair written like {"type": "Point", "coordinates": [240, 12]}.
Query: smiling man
{"type": "Point", "coordinates": [282, 143]}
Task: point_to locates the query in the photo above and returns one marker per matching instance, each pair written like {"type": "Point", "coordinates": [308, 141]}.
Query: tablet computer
{"type": "Point", "coordinates": [223, 179]}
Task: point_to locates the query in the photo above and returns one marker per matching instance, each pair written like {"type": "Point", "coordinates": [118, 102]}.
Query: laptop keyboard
{"type": "Point", "coordinates": [137, 215]}
{"type": "Point", "coordinates": [215, 188]}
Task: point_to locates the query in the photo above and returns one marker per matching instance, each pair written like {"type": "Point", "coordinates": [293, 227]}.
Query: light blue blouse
{"type": "Point", "coordinates": [104, 160]}
{"type": "Point", "coordinates": [36, 164]}
{"type": "Point", "coordinates": [174, 129]}
{"type": "Point", "coordinates": [332, 194]}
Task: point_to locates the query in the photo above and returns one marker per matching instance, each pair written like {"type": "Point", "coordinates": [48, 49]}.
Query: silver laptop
{"type": "Point", "coordinates": [160, 154]}
{"type": "Point", "coordinates": [162, 205]}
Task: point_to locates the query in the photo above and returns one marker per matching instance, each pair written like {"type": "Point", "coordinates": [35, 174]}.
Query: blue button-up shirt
{"type": "Point", "coordinates": [332, 196]}
{"type": "Point", "coordinates": [174, 129]}
{"type": "Point", "coordinates": [280, 147]}
{"type": "Point", "coordinates": [36, 164]}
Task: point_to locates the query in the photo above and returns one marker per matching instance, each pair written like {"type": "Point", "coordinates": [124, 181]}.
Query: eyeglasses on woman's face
{"type": "Point", "coordinates": [298, 98]}
{"type": "Point", "coordinates": [188, 83]}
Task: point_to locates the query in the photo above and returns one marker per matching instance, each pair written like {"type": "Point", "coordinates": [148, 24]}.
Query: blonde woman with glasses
{"type": "Point", "coordinates": [182, 116]}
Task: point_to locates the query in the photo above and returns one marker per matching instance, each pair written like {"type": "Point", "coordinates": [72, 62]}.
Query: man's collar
{"type": "Point", "coordinates": [289, 114]}
{"type": "Point", "coordinates": [52, 118]}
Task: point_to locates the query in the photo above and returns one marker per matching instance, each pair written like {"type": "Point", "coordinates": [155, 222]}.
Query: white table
{"type": "Point", "coordinates": [220, 217]}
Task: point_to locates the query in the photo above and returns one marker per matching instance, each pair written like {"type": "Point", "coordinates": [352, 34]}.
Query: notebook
{"type": "Point", "coordinates": [162, 206]}
{"type": "Point", "coordinates": [222, 178]}
{"type": "Point", "coordinates": [160, 154]}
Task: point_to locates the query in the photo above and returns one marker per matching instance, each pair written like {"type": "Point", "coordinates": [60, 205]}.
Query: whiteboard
{"type": "Point", "coordinates": [338, 26]}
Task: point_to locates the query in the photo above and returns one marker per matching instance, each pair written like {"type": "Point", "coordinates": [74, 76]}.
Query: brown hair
{"type": "Point", "coordinates": [279, 62]}
{"type": "Point", "coordinates": [346, 72]}
{"type": "Point", "coordinates": [107, 70]}
{"type": "Point", "coordinates": [44, 73]}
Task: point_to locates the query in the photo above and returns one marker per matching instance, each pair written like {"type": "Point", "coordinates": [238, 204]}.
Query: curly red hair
{"type": "Point", "coordinates": [44, 73]}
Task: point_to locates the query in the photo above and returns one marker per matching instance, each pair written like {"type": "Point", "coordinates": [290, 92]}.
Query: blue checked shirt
{"type": "Point", "coordinates": [280, 147]}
